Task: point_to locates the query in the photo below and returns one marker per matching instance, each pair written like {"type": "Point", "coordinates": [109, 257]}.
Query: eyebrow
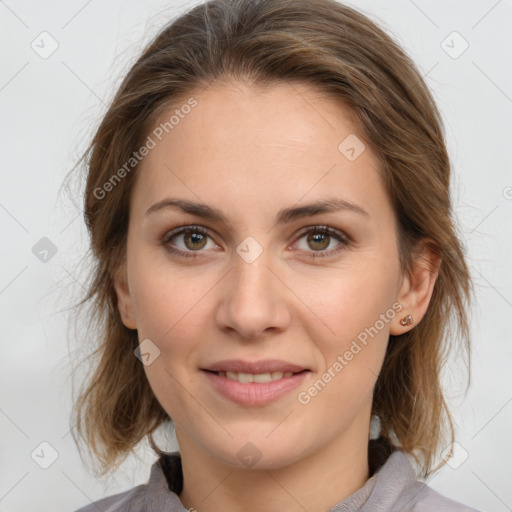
{"type": "Point", "coordinates": [284, 216]}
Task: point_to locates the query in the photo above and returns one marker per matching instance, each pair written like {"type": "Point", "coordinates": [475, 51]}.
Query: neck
{"type": "Point", "coordinates": [315, 483]}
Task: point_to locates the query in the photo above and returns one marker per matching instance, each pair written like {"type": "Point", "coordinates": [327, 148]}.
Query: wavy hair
{"type": "Point", "coordinates": [347, 56]}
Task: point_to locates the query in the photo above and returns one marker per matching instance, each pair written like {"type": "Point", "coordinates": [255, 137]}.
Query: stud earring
{"type": "Point", "coordinates": [408, 320]}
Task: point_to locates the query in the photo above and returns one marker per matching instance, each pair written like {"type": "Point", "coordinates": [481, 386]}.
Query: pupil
{"type": "Point", "coordinates": [316, 238]}
{"type": "Point", "coordinates": [196, 238]}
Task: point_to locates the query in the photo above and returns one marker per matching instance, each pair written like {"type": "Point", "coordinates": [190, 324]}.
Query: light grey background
{"type": "Point", "coordinates": [50, 108]}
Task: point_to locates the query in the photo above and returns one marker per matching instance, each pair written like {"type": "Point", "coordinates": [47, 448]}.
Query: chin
{"type": "Point", "coordinates": [258, 452]}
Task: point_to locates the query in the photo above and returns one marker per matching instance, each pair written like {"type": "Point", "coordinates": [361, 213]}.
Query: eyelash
{"type": "Point", "coordinates": [340, 236]}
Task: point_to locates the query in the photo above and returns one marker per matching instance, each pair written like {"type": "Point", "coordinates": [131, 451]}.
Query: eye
{"type": "Point", "coordinates": [187, 240]}
{"type": "Point", "coordinates": [193, 239]}
{"type": "Point", "coordinates": [319, 238]}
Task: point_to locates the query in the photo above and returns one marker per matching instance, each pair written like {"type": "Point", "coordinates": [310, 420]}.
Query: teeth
{"type": "Point", "coordinates": [258, 377]}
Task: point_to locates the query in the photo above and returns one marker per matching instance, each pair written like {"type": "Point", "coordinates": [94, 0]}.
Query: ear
{"type": "Point", "coordinates": [416, 288]}
{"type": "Point", "coordinates": [124, 300]}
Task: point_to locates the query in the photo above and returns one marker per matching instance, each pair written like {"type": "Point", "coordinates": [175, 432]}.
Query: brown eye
{"type": "Point", "coordinates": [186, 240]}
{"type": "Point", "coordinates": [194, 240]}
{"type": "Point", "coordinates": [318, 239]}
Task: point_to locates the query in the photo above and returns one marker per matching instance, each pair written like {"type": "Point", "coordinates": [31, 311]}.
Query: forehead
{"type": "Point", "coordinates": [294, 117]}
{"type": "Point", "coordinates": [277, 143]}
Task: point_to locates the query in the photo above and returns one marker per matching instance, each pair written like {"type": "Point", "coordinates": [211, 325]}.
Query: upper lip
{"type": "Point", "coordinates": [263, 366]}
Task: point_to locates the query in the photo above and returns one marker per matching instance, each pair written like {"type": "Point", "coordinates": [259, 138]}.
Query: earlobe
{"type": "Point", "coordinates": [124, 300]}
{"type": "Point", "coordinates": [416, 289]}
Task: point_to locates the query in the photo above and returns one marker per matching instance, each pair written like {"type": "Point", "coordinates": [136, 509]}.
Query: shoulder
{"type": "Point", "coordinates": [127, 501]}
{"type": "Point", "coordinates": [395, 487]}
{"type": "Point", "coordinates": [159, 493]}
{"type": "Point", "coordinates": [425, 499]}
{"type": "Point", "coordinates": [417, 496]}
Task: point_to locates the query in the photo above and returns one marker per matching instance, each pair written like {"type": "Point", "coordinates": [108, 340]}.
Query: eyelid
{"type": "Point", "coordinates": [342, 237]}
{"type": "Point", "coordinates": [183, 229]}
{"type": "Point", "coordinates": [327, 229]}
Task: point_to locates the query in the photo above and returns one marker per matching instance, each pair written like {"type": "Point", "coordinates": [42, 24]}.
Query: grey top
{"type": "Point", "coordinates": [393, 488]}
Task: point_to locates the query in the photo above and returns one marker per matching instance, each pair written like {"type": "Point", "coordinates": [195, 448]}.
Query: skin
{"type": "Point", "coordinates": [251, 151]}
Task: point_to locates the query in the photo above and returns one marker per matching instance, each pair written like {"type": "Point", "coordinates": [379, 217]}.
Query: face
{"type": "Point", "coordinates": [256, 284]}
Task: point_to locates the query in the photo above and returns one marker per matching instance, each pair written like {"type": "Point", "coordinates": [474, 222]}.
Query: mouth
{"type": "Point", "coordinates": [260, 378]}
{"type": "Point", "coordinates": [254, 383]}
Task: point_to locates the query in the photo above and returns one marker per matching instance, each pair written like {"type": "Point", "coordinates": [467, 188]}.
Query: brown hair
{"type": "Point", "coordinates": [348, 57]}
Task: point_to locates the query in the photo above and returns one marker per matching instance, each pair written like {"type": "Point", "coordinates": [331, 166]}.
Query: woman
{"type": "Point", "coordinates": [277, 266]}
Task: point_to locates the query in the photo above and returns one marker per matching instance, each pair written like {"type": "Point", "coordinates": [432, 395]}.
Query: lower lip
{"type": "Point", "coordinates": [254, 393]}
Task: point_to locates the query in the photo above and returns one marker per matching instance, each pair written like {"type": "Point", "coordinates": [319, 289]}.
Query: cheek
{"type": "Point", "coordinates": [354, 299]}
{"type": "Point", "coordinates": [356, 307]}
{"type": "Point", "coordinates": [165, 296]}
{"type": "Point", "coordinates": [169, 312]}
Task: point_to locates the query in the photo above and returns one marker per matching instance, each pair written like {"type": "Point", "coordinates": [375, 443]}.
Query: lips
{"type": "Point", "coordinates": [254, 383]}
{"type": "Point", "coordinates": [253, 393]}
{"type": "Point", "coordinates": [254, 367]}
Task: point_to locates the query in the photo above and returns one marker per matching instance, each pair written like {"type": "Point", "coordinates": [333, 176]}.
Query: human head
{"type": "Point", "coordinates": [344, 56]}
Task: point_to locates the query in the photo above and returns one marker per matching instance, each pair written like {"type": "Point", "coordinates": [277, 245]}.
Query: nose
{"type": "Point", "coordinates": [253, 299]}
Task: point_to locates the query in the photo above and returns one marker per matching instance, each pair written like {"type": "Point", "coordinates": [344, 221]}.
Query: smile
{"type": "Point", "coordinates": [253, 389]}
{"type": "Point", "coordinates": [258, 377]}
